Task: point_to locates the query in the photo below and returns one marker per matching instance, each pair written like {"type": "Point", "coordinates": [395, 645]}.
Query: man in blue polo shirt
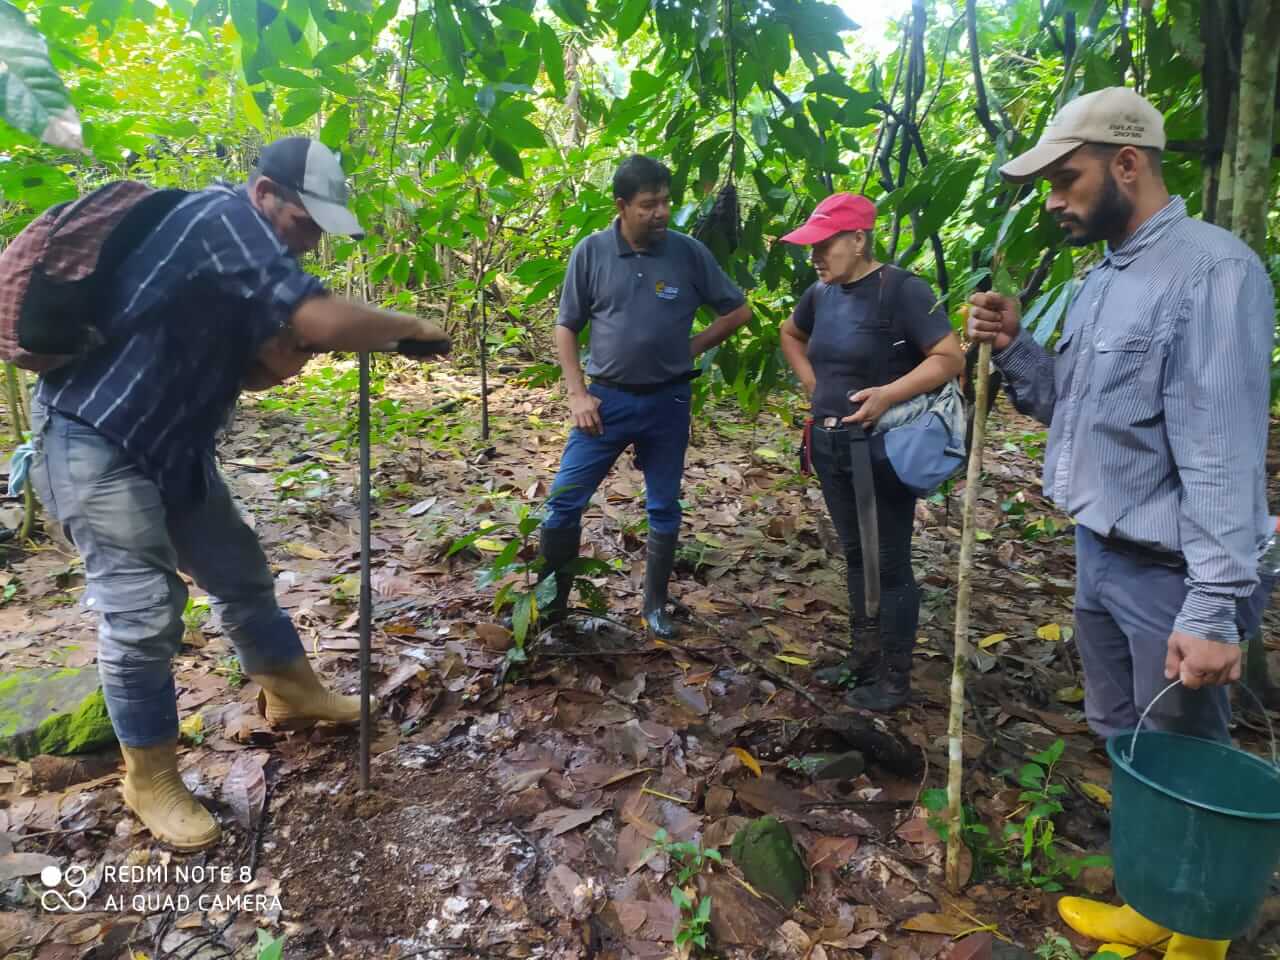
{"type": "Point", "coordinates": [212, 302]}
{"type": "Point", "coordinates": [639, 285]}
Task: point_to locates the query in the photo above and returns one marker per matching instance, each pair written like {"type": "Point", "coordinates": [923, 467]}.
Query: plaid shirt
{"type": "Point", "coordinates": [190, 310]}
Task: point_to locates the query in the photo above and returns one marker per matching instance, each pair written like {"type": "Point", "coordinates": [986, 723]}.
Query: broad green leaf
{"type": "Point", "coordinates": [383, 16]}
{"type": "Point", "coordinates": [515, 18]}
{"type": "Point", "coordinates": [506, 156]}
{"type": "Point", "coordinates": [32, 96]}
{"type": "Point", "coordinates": [571, 11]}
{"type": "Point", "coordinates": [522, 615]}
{"type": "Point", "coordinates": [251, 109]}
{"type": "Point", "coordinates": [244, 14]}
{"type": "Point", "coordinates": [335, 130]}
{"type": "Point", "coordinates": [520, 133]}
{"type": "Point", "coordinates": [630, 18]}
{"type": "Point", "coordinates": [286, 77]}
{"type": "Point", "coordinates": [303, 105]}
{"type": "Point", "coordinates": [450, 36]}
{"type": "Point", "coordinates": [552, 57]}
{"type": "Point", "coordinates": [338, 52]}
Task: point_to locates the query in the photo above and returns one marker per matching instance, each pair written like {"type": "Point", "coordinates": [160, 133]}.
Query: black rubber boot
{"type": "Point", "coordinates": [863, 661]}
{"type": "Point", "coordinates": [558, 546]}
{"type": "Point", "coordinates": [661, 557]}
{"type": "Point", "coordinates": [892, 686]}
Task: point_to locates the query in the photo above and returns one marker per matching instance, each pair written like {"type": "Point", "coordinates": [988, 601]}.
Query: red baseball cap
{"type": "Point", "coordinates": [836, 214]}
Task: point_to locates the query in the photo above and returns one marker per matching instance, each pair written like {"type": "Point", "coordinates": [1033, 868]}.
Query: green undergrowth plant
{"type": "Point", "coordinates": [1029, 853]}
{"type": "Point", "coordinates": [518, 569]}
{"type": "Point", "coordinates": [693, 928]}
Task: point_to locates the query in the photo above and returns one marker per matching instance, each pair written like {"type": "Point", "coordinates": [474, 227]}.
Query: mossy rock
{"type": "Point", "coordinates": [767, 857]}
{"type": "Point", "coordinates": [53, 711]}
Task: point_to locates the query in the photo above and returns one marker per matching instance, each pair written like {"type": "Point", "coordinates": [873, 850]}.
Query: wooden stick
{"type": "Point", "coordinates": [955, 725]}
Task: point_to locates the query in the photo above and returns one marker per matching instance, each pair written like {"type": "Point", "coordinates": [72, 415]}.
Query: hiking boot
{"type": "Point", "coordinates": [155, 792]}
{"type": "Point", "coordinates": [659, 560]}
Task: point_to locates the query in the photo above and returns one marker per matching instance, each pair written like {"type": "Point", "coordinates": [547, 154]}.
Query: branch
{"type": "Point", "coordinates": [981, 106]}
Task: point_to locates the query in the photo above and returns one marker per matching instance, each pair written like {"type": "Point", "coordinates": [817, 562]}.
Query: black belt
{"type": "Point", "coordinates": [1152, 555]}
{"type": "Point", "coordinates": [646, 388]}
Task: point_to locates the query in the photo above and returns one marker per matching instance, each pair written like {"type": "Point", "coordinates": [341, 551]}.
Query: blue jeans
{"type": "Point", "coordinates": [133, 547]}
{"type": "Point", "coordinates": [658, 425]}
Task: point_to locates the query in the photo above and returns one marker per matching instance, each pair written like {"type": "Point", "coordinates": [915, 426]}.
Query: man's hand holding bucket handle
{"type": "Point", "coordinates": [994, 318]}
{"type": "Point", "coordinates": [1201, 663]}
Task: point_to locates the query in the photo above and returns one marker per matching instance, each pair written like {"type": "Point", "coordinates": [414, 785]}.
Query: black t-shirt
{"type": "Point", "coordinates": [842, 322]}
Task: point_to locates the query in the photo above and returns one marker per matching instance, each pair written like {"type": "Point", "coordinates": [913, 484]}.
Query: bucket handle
{"type": "Point", "coordinates": [1133, 741]}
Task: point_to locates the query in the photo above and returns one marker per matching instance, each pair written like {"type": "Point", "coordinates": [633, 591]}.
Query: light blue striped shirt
{"type": "Point", "coordinates": [1156, 398]}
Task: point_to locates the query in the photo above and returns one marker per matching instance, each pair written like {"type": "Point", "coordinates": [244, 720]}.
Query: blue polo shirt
{"type": "Point", "coordinates": [641, 303]}
{"type": "Point", "coordinates": [189, 311]}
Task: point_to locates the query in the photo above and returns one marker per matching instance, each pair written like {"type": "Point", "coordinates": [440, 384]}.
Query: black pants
{"type": "Point", "coordinates": [895, 513]}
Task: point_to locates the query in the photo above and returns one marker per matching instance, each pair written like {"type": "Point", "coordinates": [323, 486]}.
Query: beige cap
{"type": "Point", "coordinates": [1116, 115]}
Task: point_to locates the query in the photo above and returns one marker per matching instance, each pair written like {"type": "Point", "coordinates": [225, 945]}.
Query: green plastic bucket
{"type": "Point", "coordinates": [1195, 830]}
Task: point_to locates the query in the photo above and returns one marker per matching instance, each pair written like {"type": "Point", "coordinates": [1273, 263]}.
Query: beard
{"type": "Point", "coordinates": [1108, 218]}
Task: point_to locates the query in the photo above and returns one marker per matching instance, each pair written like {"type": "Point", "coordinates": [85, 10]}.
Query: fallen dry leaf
{"type": "Point", "coordinates": [832, 853]}
{"type": "Point", "coordinates": [245, 788]}
{"type": "Point", "coordinates": [938, 923]}
{"type": "Point", "coordinates": [306, 551]}
{"type": "Point", "coordinates": [748, 761]}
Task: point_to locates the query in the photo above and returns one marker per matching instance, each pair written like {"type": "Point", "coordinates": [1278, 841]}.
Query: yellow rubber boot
{"type": "Point", "coordinates": [1182, 947]}
{"type": "Point", "coordinates": [1102, 921]}
{"type": "Point", "coordinates": [296, 699]}
{"type": "Point", "coordinates": [154, 791]}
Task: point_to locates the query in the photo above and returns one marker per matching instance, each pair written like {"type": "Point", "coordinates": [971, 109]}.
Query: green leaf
{"type": "Point", "coordinates": [244, 14]}
{"type": "Point", "coordinates": [32, 96]}
{"type": "Point", "coordinates": [515, 18]}
{"type": "Point", "coordinates": [269, 949]}
{"type": "Point", "coordinates": [383, 16]}
{"type": "Point", "coordinates": [545, 591]}
{"type": "Point", "coordinates": [286, 77]}
{"type": "Point", "coordinates": [334, 132]}
{"type": "Point", "coordinates": [339, 51]}
{"type": "Point", "coordinates": [630, 17]}
{"type": "Point", "coordinates": [704, 910]}
{"type": "Point", "coordinates": [450, 35]}
{"type": "Point", "coordinates": [571, 11]}
{"type": "Point", "coordinates": [303, 105]}
{"type": "Point", "coordinates": [521, 617]}
{"type": "Point", "coordinates": [506, 156]}
{"type": "Point", "coordinates": [552, 57]}
{"type": "Point", "coordinates": [519, 132]}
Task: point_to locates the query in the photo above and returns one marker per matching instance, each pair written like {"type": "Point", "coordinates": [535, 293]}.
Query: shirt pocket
{"type": "Point", "coordinates": [1126, 376]}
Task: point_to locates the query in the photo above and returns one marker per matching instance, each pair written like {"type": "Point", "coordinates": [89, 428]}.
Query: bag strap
{"type": "Point", "coordinates": [891, 281]}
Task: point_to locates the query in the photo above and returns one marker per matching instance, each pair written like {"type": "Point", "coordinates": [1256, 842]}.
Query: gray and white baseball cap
{"type": "Point", "coordinates": [312, 171]}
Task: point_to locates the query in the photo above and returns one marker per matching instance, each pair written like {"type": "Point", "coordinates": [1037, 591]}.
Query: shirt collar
{"type": "Point", "coordinates": [1147, 234]}
{"type": "Point", "coordinates": [626, 250]}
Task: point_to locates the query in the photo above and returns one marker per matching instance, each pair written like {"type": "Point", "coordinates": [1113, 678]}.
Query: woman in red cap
{"type": "Point", "coordinates": [865, 338]}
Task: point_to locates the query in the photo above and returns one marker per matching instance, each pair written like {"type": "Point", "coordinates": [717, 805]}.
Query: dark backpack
{"type": "Point", "coordinates": [55, 277]}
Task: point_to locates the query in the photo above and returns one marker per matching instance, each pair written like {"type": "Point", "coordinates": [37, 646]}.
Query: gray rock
{"type": "Point", "coordinates": [47, 710]}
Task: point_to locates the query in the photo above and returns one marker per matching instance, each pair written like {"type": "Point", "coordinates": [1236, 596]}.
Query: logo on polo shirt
{"type": "Point", "coordinates": [665, 292]}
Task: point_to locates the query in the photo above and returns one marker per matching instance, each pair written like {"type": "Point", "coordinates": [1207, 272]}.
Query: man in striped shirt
{"type": "Point", "coordinates": [1156, 397]}
{"type": "Point", "coordinates": [211, 303]}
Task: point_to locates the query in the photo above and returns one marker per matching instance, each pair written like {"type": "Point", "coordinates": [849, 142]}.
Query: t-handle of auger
{"type": "Point", "coordinates": [424, 348]}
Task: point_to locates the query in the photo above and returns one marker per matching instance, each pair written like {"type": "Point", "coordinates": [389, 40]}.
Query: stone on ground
{"type": "Point", "coordinates": [47, 710]}
{"type": "Point", "coordinates": [767, 857]}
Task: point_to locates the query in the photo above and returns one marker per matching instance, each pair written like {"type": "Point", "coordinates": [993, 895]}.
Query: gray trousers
{"type": "Point", "coordinates": [1125, 609]}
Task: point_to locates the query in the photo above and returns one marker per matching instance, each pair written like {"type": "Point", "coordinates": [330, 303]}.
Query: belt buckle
{"type": "Point", "coordinates": [829, 423]}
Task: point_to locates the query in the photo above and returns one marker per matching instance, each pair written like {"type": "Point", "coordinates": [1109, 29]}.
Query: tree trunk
{"type": "Point", "coordinates": [1256, 124]}
{"type": "Point", "coordinates": [1227, 171]}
